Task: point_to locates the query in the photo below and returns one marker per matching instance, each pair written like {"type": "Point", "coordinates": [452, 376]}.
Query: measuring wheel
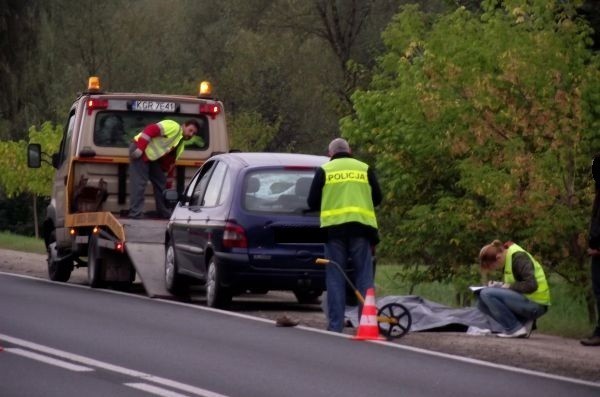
{"type": "Point", "coordinates": [394, 320]}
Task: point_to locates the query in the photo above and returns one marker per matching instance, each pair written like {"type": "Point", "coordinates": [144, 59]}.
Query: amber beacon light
{"type": "Point", "coordinates": [205, 89]}
{"type": "Point", "coordinates": [94, 83]}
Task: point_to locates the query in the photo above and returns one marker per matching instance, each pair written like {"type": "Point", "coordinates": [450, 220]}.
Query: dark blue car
{"type": "Point", "coordinates": [243, 225]}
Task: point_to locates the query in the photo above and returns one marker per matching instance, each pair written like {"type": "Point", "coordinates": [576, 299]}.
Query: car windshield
{"type": "Point", "coordinates": [277, 190]}
{"type": "Point", "coordinates": [116, 129]}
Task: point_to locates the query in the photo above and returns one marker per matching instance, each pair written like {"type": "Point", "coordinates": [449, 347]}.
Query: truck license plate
{"type": "Point", "coordinates": [152, 106]}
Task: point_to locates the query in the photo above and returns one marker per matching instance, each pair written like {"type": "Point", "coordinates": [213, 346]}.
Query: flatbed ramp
{"type": "Point", "coordinates": [145, 247]}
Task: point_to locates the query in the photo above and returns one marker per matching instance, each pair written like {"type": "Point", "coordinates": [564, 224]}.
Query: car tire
{"type": "Point", "coordinates": [307, 295]}
{"type": "Point", "coordinates": [217, 295]}
{"type": "Point", "coordinates": [174, 282]}
{"type": "Point", "coordinates": [95, 263]}
{"type": "Point", "coordinates": [58, 270]}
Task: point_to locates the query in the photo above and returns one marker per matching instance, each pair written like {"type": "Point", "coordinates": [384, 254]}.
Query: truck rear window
{"type": "Point", "coordinates": [117, 129]}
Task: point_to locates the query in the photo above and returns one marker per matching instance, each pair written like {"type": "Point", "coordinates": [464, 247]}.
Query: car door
{"type": "Point", "coordinates": [209, 213]}
{"type": "Point", "coordinates": [187, 210]}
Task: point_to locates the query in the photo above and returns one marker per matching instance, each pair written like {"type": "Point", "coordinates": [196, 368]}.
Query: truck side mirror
{"type": "Point", "coordinates": [34, 155]}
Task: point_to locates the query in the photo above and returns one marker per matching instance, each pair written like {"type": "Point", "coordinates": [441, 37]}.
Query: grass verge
{"type": "Point", "coordinates": [21, 243]}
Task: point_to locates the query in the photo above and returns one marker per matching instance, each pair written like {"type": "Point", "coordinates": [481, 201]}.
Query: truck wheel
{"type": "Point", "coordinates": [58, 269]}
{"type": "Point", "coordinates": [95, 264]}
{"type": "Point", "coordinates": [217, 295]}
{"type": "Point", "coordinates": [174, 282]}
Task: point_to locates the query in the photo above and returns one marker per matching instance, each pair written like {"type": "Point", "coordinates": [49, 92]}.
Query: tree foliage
{"type": "Point", "coordinates": [482, 127]}
{"type": "Point", "coordinates": [249, 132]}
{"type": "Point", "coordinates": [16, 177]}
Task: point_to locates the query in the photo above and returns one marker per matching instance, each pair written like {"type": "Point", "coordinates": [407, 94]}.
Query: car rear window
{"type": "Point", "coordinates": [277, 190]}
{"type": "Point", "coordinates": [116, 129]}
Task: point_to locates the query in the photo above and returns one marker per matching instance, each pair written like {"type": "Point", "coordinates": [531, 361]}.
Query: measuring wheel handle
{"type": "Point", "coordinates": [394, 320]}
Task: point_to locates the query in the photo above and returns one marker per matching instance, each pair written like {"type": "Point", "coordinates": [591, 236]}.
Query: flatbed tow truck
{"type": "Point", "coordinates": [86, 223]}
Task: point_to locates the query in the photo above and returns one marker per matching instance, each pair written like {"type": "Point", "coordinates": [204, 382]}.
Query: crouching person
{"type": "Point", "coordinates": [521, 297]}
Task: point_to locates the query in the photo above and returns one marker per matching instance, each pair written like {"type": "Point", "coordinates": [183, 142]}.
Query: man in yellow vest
{"type": "Point", "coordinates": [346, 190]}
{"type": "Point", "coordinates": [523, 294]}
{"type": "Point", "coordinates": [153, 153]}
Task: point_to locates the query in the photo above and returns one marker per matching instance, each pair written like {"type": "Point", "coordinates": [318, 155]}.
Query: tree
{"type": "Point", "coordinates": [481, 127]}
{"type": "Point", "coordinates": [249, 132]}
{"type": "Point", "coordinates": [17, 37]}
{"type": "Point", "coordinates": [16, 178]}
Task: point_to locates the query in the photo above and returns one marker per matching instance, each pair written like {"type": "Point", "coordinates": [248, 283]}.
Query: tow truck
{"type": "Point", "coordinates": [86, 223]}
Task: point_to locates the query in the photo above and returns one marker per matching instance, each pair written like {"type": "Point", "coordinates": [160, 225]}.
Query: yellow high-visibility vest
{"type": "Point", "coordinates": [171, 136]}
{"type": "Point", "coordinates": [347, 193]}
{"type": "Point", "coordinates": [542, 294]}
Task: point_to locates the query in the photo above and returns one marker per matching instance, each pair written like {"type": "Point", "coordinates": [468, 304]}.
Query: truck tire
{"type": "Point", "coordinates": [58, 269]}
{"type": "Point", "coordinates": [175, 283]}
{"type": "Point", "coordinates": [95, 263]}
{"type": "Point", "coordinates": [217, 295]}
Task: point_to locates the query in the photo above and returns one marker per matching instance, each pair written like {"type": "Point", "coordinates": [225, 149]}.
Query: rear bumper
{"type": "Point", "coordinates": [238, 272]}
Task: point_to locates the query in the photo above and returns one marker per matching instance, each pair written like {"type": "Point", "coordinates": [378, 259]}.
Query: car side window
{"type": "Point", "coordinates": [215, 186]}
{"type": "Point", "coordinates": [187, 194]}
{"type": "Point", "coordinates": [197, 192]}
{"type": "Point", "coordinates": [227, 188]}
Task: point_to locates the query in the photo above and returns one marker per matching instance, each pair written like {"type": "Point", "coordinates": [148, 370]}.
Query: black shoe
{"type": "Point", "coordinates": [593, 340]}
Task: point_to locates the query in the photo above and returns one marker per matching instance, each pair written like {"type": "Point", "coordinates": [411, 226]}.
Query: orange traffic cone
{"type": "Point", "coordinates": [368, 328]}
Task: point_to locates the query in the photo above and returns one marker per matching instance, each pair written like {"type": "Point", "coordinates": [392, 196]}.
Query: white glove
{"type": "Point", "coordinates": [136, 154]}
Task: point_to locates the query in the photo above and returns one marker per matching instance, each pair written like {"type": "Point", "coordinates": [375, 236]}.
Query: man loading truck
{"type": "Point", "coordinates": [153, 153]}
{"type": "Point", "coordinates": [98, 188]}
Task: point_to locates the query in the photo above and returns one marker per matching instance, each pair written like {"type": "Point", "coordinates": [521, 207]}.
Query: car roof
{"type": "Point", "coordinates": [259, 159]}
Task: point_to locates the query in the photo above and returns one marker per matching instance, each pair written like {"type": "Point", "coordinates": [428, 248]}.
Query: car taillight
{"type": "Point", "coordinates": [210, 109]}
{"type": "Point", "coordinates": [93, 104]}
{"type": "Point", "coordinates": [234, 236]}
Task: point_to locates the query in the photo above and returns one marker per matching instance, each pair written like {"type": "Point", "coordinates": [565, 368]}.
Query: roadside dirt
{"type": "Point", "coordinates": [545, 353]}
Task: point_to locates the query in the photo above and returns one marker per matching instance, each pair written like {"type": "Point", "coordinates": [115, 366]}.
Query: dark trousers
{"type": "Point", "coordinates": [140, 172]}
{"type": "Point", "coordinates": [339, 250]}
{"type": "Point", "coordinates": [596, 289]}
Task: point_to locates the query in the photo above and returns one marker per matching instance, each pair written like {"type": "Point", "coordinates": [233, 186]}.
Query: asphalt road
{"type": "Point", "coordinates": [67, 340]}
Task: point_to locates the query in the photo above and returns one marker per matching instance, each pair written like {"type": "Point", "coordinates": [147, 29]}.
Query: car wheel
{"type": "Point", "coordinates": [217, 295]}
{"type": "Point", "coordinates": [307, 296]}
{"type": "Point", "coordinates": [174, 282]}
{"type": "Point", "coordinates": [95, 263]}
{"type": "Point", "coordinates": [58, 269]}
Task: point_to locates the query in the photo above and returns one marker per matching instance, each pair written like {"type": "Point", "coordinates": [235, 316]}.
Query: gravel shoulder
{"type": "Point", "coordinates": [544, 353]}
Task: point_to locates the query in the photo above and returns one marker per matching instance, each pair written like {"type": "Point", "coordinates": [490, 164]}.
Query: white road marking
{"type": "Point", "coordinates": [159, 391]}
{"type": "Point", "coordinates": [47, 360]}
{"type": "Point", "coordinates": [110, 367]}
